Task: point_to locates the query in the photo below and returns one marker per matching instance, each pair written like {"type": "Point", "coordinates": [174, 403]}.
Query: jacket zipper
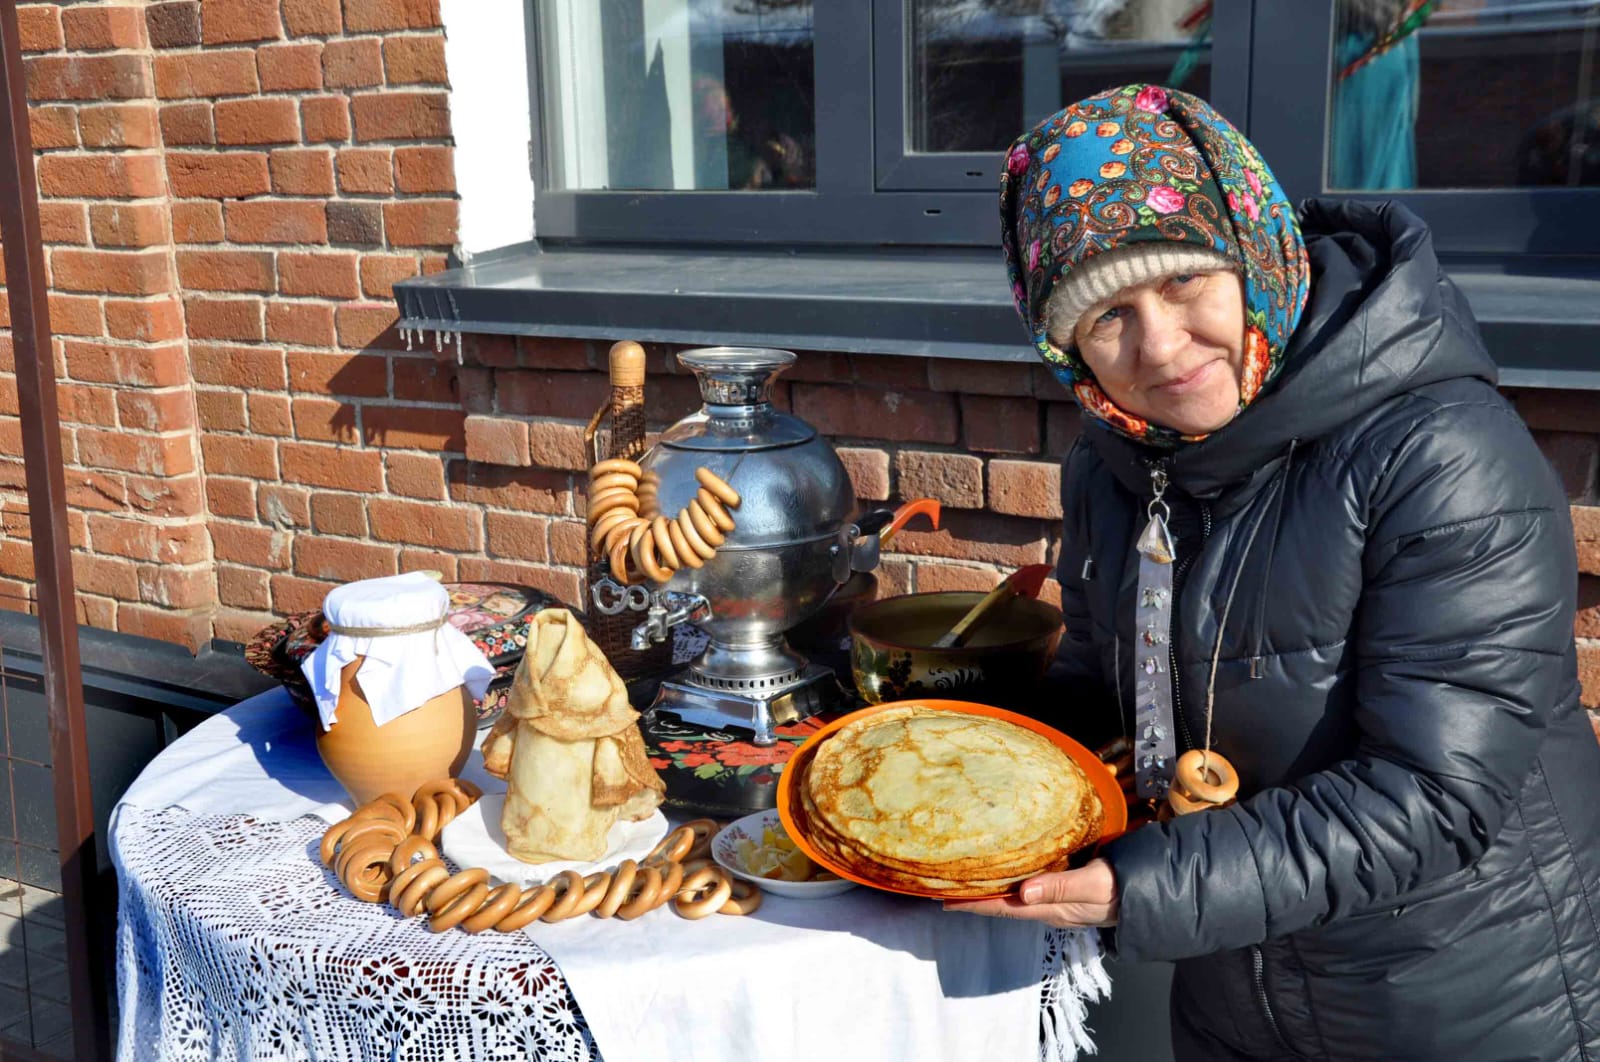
{"type": "Point", "coordinates": [1172, 647]}
{"type": "Point", "coordinates": [1259, 964]}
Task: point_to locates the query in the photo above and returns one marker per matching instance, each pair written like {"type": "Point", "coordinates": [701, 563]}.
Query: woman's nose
{"type": "Point", "coordinates": [1161, 332]}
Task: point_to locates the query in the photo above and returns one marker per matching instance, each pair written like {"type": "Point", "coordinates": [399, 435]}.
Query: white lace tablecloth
{"type": "Point", "coordinates": [235, 943]}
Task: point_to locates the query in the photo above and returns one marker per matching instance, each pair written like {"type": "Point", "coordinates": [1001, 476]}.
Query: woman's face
{"type": "Point", "coordinates": [1170, 351]}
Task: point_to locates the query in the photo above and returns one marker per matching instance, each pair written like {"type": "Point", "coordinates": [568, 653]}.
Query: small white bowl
{"type": "Point", "coordinates": [722, 850]}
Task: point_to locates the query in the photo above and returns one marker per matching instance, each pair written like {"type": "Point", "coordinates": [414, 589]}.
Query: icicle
{"type": "Point", "coordinates": [405, 334]}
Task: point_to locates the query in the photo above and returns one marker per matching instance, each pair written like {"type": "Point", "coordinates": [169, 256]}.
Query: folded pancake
{"type": "Point", "coordinates": [959, 804]}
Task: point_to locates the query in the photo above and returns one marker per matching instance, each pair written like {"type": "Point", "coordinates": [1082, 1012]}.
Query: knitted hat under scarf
{"type": "Point", "coordinates": [1167, 184]}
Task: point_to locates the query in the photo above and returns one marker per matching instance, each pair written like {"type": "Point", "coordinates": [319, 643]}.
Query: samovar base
{"type": "Point", "coordinates": [814, 691]}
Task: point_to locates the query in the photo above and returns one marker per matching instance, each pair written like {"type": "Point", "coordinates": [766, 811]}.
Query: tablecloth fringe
{"type": "Point", "coordinates": [1074, 977]}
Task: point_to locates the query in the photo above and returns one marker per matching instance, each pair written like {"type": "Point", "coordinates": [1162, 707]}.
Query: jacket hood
{"type": "Point", "coordinates": [1382, 320]}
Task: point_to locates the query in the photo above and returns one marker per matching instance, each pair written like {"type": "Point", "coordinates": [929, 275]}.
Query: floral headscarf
{"type": "Point", "coordinates": [1143, 163]}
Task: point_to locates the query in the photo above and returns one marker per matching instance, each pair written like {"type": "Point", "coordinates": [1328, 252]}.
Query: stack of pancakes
{"type": "Point", "coordinates": [944, 802]}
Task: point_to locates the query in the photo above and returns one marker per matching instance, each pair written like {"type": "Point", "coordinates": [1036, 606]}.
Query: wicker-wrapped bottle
{"type": "Point", "coordinates": [613, 632]}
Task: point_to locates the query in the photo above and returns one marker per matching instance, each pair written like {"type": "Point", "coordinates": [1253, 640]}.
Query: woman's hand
{"type": "Point", "coordinates": [1068, 899]}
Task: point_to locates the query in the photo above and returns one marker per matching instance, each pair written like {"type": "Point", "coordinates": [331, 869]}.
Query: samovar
{"type": "Point", "coordinates": [794, 541]}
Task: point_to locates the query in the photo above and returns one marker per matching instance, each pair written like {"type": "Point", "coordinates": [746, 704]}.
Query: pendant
{"type": "Point", "coordinates": [1202, 779]}
{"type": "Point", "coordinates": [1156, 542]}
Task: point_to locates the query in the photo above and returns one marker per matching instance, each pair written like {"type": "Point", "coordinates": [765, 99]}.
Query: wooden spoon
{"type": "Point", "coordinates": [1024, 582]}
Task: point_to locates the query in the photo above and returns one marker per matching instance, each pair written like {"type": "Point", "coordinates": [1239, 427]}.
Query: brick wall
{"type": "Point", "coordinates": [229, 189]}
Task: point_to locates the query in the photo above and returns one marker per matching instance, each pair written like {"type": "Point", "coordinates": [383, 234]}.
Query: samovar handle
{"type": "Point", "coordinates": [860, 544]}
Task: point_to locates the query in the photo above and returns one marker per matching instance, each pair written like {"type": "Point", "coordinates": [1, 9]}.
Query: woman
{"type": "Point", "coordinates": [1369, 612]}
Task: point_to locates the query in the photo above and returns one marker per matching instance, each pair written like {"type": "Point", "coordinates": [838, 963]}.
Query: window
{"type": "Point", "coordinates": [882, 122]}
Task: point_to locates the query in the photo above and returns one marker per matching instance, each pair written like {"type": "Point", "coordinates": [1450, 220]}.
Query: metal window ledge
{"type": "Point", "coordinates": [1541, 321]}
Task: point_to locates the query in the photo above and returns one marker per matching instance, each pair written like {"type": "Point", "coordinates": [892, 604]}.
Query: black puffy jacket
{"type": "Point", "coordinates": [1413, 868]}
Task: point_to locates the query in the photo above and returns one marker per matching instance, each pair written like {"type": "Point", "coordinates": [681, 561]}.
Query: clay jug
{"type": "Point", "coordinates": [428, 742]}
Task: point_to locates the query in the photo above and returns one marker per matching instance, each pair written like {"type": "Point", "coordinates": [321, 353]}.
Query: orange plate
{"type": "Point", "coordinates": [1105, 784]}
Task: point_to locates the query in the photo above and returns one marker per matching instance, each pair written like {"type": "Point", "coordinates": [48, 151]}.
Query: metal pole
{"type": "Point", "coordinates": [47, 514]}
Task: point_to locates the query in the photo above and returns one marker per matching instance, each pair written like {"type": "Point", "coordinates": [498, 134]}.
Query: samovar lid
{"type": "Point", "coordinates": [736, 387]}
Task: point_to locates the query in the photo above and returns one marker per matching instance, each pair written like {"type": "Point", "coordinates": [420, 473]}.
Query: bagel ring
{"type": "Point", "coordinates": [617, 464]}
{"type": "Point", "coordinates": [429, 874]}
{"type": "Point", "coordinates": [619, 889]}
{"type": "Point", "coordinates": [499, 903]}
{"type": "Point", "coordinates": [455, 885]}
{"type": "Point", "coordinates": [617, 559]}
{"type": "Point", "coordinates": [714, 510]}
{"type": "Point", "coordinates": [680, 546]}
{"type": "Point", "coordinates": [1195, 770]}
{"type": "Point", "coordinates": [744, 898]}
{"type": "Point", "coordinates": [534, 903]}
{"type": "Point", "coordinates": [407, 851]}
{"type": "Point", "coordinates": [455, 912]}
{"type": "Point", "coordinates": [706, 533]}
{"type": "Point", "coordinates": [703, 830]}
{"type": "Point", "coordinates": [331, 838]}
{"type": "Point", "coordinates": [644, 555]}
{"type": "Point", "coordinates": [603, 526]}
{"type": "Point", "coordinates": [568, 889]}
{"type": "Point", "coordinates": [611, 480]}
{"type": "Point", "coordinates": [612, 500]}
{"type": "Point", "coordinates": [364, 869]}
{"type": "Point", "coordinates": [705, 897]}
{"type": "Point", "coordinates": [1182, 804]}
{"type": "Point", "coordinates": [664, 547]}
{"type": "Point", "coordinates": [717, 486]}
{"type": "Point", "coordinates": [645, 893]}
{"type": "Point", "coordinates": [620, 533]}
{"type": "Point", "coordinates": [428, 823]}
{"type": "Point", "coordinates": [402, 881]}
{"type": "Point", "coordinates": [673, 847]}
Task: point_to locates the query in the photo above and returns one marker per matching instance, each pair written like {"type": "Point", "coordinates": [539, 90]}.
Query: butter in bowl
{"type": "Point", "coordinates": [756, 849]}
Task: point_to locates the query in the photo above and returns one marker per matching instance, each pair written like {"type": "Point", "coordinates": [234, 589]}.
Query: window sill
{"type": "Point", "coordinates": [1543, 328]}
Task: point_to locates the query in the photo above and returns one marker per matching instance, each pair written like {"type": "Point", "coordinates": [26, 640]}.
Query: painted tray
{"type": "Point", "coordinates": [1105, 784]}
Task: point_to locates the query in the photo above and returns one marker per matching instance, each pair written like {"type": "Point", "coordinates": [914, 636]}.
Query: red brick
{"type": "Point", "coordinates": [301, 323]}
{"type": "Point", "coordinates": [353, 63]}
{"type": "Point", "coordinates": [368, 15]}
{"type": "Point", "coordinates": [218, 176]}
{"type": "Point", "coordinates": [359, 375]}
{"type": "Point", "coordinates": [101, 176]}
{"type": "Point", "coordinates": [307, 18]}
{"type": "Point", "coordinates": [231, 497]}
{"type": "Point", "coordinates": [242, 587]}
{"type": "Point", "coordinates": [334, 467]}
{"type": "Point", "coordinates": [113, 272]}
{"type": "Point", "coordinates": [423, 560]}
{"type": "Point", "coordinates": [1586, 532]}
{"type": "Point", "coordinates": [269, 415]}
{"type": "Point", "coordinates": [325, 119]}
{"type": "Point", "coordinates": [63, 223]}
{"type": "Point", "coordinates": [552, 394]}
{"type": "Point", "coordinates": [956, 480]}
{"type": "Point", "coordinates": [167, 496]}
{"type": "Point", "coordinates": [1062, 424]}
{"type": "Point", "coordinates": [425, 524]}
{"type": "Point", "coordinates": [1589, 679]}
{"type": "Point", "coordinates": [562, 585]}
{"type": "Point", "coordinates": [193, 74]}
{"type": "Point", "coordinates": [869, 472]}
{"type": "Point", "coordinates": [1000, 425]}
{"type": "Point", "coordinates": [339, 514]}
{"type": "Point", "coordinates": [283, 507]}
{"type": "Point", "coordinates": [366, 171]}
{"type": "Point", "coordinates": [188, 628]}
{"type": "Point", "coordinates": [425, 169]}
{"type": "Point", "coordinates": [274, 120]}
{"type": "Point", "coordinates": [524, 489]}
{"type": "Point", "coordinates": [290, 67]}
{"type": "Point", "coordinates": [275, 221]}
{"type": "Point", "coordinates": [331, 276]}
{"type": "Point", "coordinates": [88, 77]}
{"type": "Point", "coordinates": [197, 222]}
{"type": "Point", "coordinates": [422, 378]}
{"type": "Point", "coordinates": [174, 25]}
{"type": "Point", "coordinates": [569, 543]}
{"type": "Point", "coordinates": [187, 123]}
{"type": "Point", "coordinates": [240, 455]}
{"type": "Point", "coordinates": [227, 270]}
{"type": "Point", "coordinates": [363, 326]}
{"type": "Point", "coordinates": [127, 366]}
{"type": "Point", "coordinates": [978, 537]}
{"type": "Point", "coordinates": [557, 444]}
{"type": "Point", "coordinates": [355, 222]}
{"type": "Point", "coordinates": [474, 388]}
{"type": "Point", "coordinates": [156, 410]}
{"type": "Point", "coordinates": [235, 21]}
{"type": "Point", "coordinates": [1587, 624]}
{"type": "Point", "coordinates": [128, 224]}
{"type": "Point", "coordinates": [302, 171]}
{"type": "Point", "coordinates": [181, 588]}
{"type": "Point", "coordinates": [890, 372]}
{"type": "Point", "coordinates": [401, 116]}
{"type": "Point", "coordinates": [119, 125]}
{"type": "Point", "coordinates": [415, 60]}
{"type": "Point", "coordinates": [414, 428]}
{"type": "Point", "coordinates": [236, 319]}
{"type": "Point", "coordinates": [324, 420]}
{"type": "Point", "coordinates": [935, 578]}
{"type": "Point", "coordinates": [420, 222]}
{"type": "Point", "coordinates": [864, 413]}
{"type": "Point", "coordinates": [261, 547]}
{"type": "Point", "coordinates": [516, 536]}
{"type": "Point", "coordinates": [239, 626]}
{"type": "Point", "coordinates": [547, 352]}
{"type": "Point", "coordinates": [142, 540]}
{"type": "Point", "coordinates": [107, 576]}
{"type": "Point", "coordinates": [75, 315]}
{"type": "Point", "coordinates": [103, 27]}
{"type": "Point", "coordinates": [53, 127]}
{"type": "Point", "coordinates": [88, 405]}
{"type": "Point", "coordinates": [380, 271]}
{"type": "Point", "coordinates": [343, 561]}
{"type": "Point", "coordinates": [94, 491]}
{"type": "Point", "coordinates": [39, 28]}
{"type": "Point", "coordinates": [498, 440]}
{"type": "Point", "coordinates": [147, 320]}
{"type": "Point", "coordinates": [290, 594]}
{"type": "Point", "coordinates": [414, 475]}
{"type": "Point", "coordinates": [252, 368]}
{"type": "Point", "coordinates": [1025, 488]}
{"type": "Point", "coordinates": [220, 410]}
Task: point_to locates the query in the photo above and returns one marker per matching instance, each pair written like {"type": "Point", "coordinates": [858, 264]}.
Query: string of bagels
{"type": "Point", "coordinates": [637, 540]}
{"type": "Point", "coordinates": [387, 851]}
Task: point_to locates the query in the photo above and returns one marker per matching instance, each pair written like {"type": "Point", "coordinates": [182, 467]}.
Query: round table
{"type": "Point", "coordinates": [235, 942]}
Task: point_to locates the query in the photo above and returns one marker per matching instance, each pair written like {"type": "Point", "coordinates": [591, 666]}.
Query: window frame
{"type": "Point", "coordinates": [1466, 222]}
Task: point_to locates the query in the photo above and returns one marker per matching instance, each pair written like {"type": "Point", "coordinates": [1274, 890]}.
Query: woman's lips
{"type": "Point", "coordinates": [1189, 381]}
